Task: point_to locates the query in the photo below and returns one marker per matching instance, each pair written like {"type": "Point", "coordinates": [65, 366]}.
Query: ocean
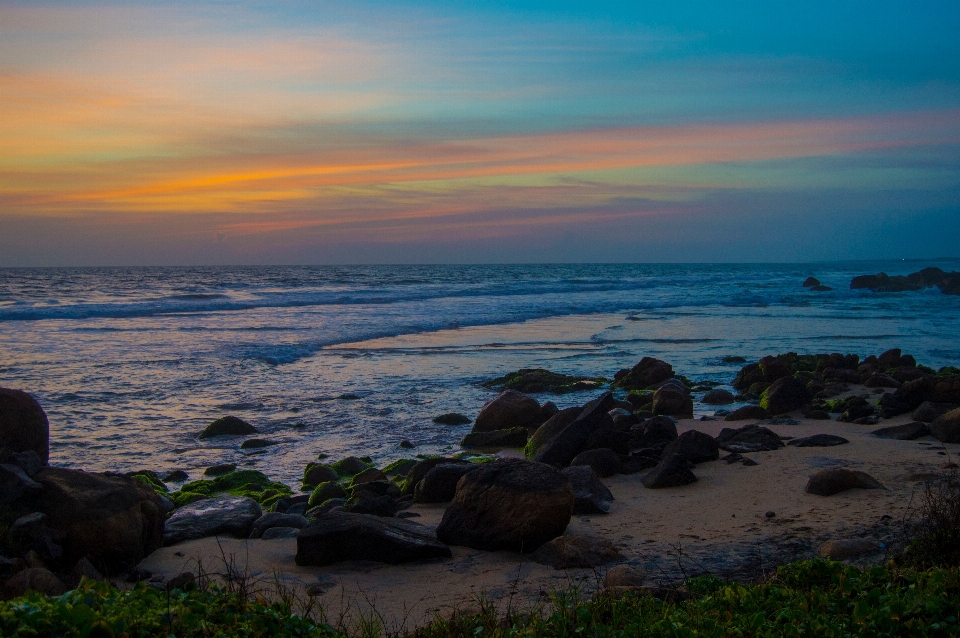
{"type": "Point", "coordinates": [131, 364]}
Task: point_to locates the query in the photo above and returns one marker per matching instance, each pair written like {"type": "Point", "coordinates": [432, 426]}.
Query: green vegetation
{"type": "Point", "coordinates": [250, 483]}
{"type": "Point", "coordinates": [151, 480]}
{"type": "Point", "coordinates": [534, 380]}
{"type": "Point", "coordinates": [97, 610]}
{"type": "Point", "coordinates": [809, 598]}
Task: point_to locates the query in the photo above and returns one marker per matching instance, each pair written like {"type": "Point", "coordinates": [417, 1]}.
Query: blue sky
{"type": "Point", "coordinates": [194, 133]}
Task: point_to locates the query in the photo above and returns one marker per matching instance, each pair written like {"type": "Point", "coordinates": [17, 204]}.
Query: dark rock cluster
{"type": "Point", "coordinates": [947, 282]}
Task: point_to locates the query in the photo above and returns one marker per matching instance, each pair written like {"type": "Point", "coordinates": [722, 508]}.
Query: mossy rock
{"type": "Point", "coordinates": [250, 483]}
{"type": "Point", "coordinates": [326, 491]}
{"type": "Point", "coordinates": [367, 476]}
{"type": "Point", "coordinates": [399, 468]}
{"type": "Point", "coordinates": [350, 466]}
{"type": "Point", "coordinates": [151, 480]}
{"type": "Point", "coordinates": [228, 426]}
{"type": "Point", "coordinates": [220, 470]}
{"type": "Point", "coordinates": [452, 418]}
{"type": "Point", "coordinates": [535, 380]}
{"type": "Point", "coordinates": [316, 473]}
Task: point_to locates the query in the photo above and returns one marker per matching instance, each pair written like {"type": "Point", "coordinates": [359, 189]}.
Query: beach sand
{"type": "Point", "coordinates": [718, 525]}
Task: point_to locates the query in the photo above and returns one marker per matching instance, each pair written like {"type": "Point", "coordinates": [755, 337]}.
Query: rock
{"type": "Point", "coordinates": [671, 401]}
{"type": "Point", "coordinates": [368, 475]}
{"type": "Point", "coordinates": [616, 440]}
{"type": "Point", "coordinates": [221, 515]}
{"type": "Point", "coordinates": [341, 536]}
{"type": "Point", "coordinates": [785, 395]}
{"type": "Point", "coordinates": [732, 358]}
{"type": "Point", "coordinates": [810, 282]}
{"type": "Point", "coordinates": [418, 471]}
{"type": "Point", "coordinates": [315, 474]}
{"type": "Point", "coordinates": [818, 440]}
{"type": "Point", "coordinates": [569, 442]}
{"type": "Point", "coordinates": [693, 446]}
{"type": "Point", "coordinates": [655, 432]}
{"type": "Point", "coordinates": [890, 358]}
{"type": "Point", "coordinates": [646, 373]}
{"type": "Point", "coordinates": [350, 466]}
{"type": "Point", "coordinates": [27, 461]}
{"type": "Point", "coordinates": [38, 579]}
{"type": "Point", "coordinates": [905, 432]}
{"type": "Point", "coordinates": [881, 380]}
{"type": "Point", "coordinates": [451, 418]}
{"type": "Point", "coordinates": [85, 569]}
{"type": "Point", "coordinates": [547, 410]}
{"type": "Point", "coordinates": [718, 397]}
{"type": "Point", "coordinates": [749, 462]}
{"type": "Point", "coordinates": [836, 480]}
{"type": "Point", "coordinates": [325, 491]}
{"type": "Point", "coordinates": [590, 495]}
{"type": "Point", "coordinates": [180, 581]}
{"type": "Point", "coordinates": [256, 444]}
{"type": "Point", "coordinates": [856, 408]}
{"type": "Point", "coordinates": [280, 532]}
{"type": "Point", "coordinates": [946, 428]}
{"type": "Point", "coordinates": [604, 461]}
{"type": "Point", "coordinates": [383, 505]}
{"type": "Point", "coordinates": [533, 380]}
{"type": "Point", "coordinates": [821, 288]}
{"type": "Point", "coordinates": [228, 426]}
{"type": "Point", "coordinates": [439, 485]}
{"type": "Point", "coordinates": [670, 472]}
{"type": "Point", "coordinates": [750, 438]}
{"type": "Point", "coordinates": [624, 576]}
{"type": "Point", "coordinates": [551, 427]}
{"type": "Point", "coordinates": [23, 425]}
{"type": "Point", "coordinates": [509, 409]}
{"type": "Point", "coordinates": [508, 504]}
{"type": "Point", "coordinates": [573, 551]}
{"type": "Point", "coordinates": [176, 476]}
{"type": "Point", "coordinates": [929, 411]}
{"type": "Point", "coordinates": [112, 520]}
{"type": "Point", "coordinates": [847, 548]}
{"type": "Point", "coordinates": [514, 437]}
{"type": "Point", "coordinates": [276, 519]}
{"type": "Point", "coordinates": [817, 415]}
{"type": "Point", "coordinates": [406, 444]}
{"type": "Point", "coordinates": [15, 484]}
{"type": "Point", "coordinates": [746, 413]}
{"type": "Point", "coordinates": [220, 470]}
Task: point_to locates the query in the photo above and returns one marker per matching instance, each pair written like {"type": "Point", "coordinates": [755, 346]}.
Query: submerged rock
{"type": "Point", "coordinates": [451, 418]}
{"type": "Point", "coordinates": [228, 426]}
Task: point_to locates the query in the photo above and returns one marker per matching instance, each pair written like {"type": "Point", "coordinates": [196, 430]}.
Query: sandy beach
{"type": "Point", "coordinates": [722, 524]}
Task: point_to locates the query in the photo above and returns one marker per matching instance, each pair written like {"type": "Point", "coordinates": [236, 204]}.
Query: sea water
{"type": "Point", "coordinates": [131, 364]}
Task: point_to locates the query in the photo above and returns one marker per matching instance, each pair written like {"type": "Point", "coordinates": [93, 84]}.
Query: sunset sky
{"type": "Point", "coordinates": [301, 133]}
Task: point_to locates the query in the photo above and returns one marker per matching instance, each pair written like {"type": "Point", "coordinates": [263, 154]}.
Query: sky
{"type": "Point", "coordinates": [165, 133]}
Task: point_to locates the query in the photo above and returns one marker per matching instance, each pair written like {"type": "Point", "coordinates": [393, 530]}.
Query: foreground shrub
{"type": "Point", "coordinates": [97, 610]}
{"type": "Point", "coordinates": [935, 530]}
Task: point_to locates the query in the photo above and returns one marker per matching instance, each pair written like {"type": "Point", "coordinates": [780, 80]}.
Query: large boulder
{"type": "Point", "coordinates": [718, 396]}
{"type": "Point", "coordinates": [420, 470]}
{"type": "Point", "coordinates": [672, 401]}
{"type": "Point", "coordinates": [590, 495]}
{"type": "Point", "coordinates": [905, 432]}
{"type": "Point", "coordinates": [222, 515]}
{"type": "Point", "coordinates": [341, 536]}
{"type": "Point", "coordinates": [946, 428]}
{"type": "Point", "coordinates": [15, 484]}
{"type": "Point", "coordinates": [514, 437]}
{"type": "Point", "coordinates": [112, 520]}
{"type": "Point", "coordinates": [228, 426]}
{"type": "Point", "coordinates": [670, 472]}
{"type": "Point", "coordinates": [785, 395]}
{"type": "Point", "coordinates": [836, 480]}
{"type": "Point", "coordinates": [929, 411]}
{"type": "Point", "coordinates": [23, 425]}
{"type": "Point", "coordinates": [654, 433]}
{"type": "Point", "coordinates": [509, 409]}
{"type": "Point", "coordinates": [315, 474]}
{"type": "Point", "coordinates": [604, 461]}
{"type": "Point", "coordinates": [573, 439]}
{"type": "Point", "coordinates": [440, 484]}
{"type": "Point", "coordinates": [647, 372]}
{"type": "Point", "coordinates": [749, 438]}
{"type": "Point", "coordinates": [694, 446]}
{"type": "Point", "coordinates": [576, 551]}
{"type": "Point", "coordinates": [38, 579]}
{"type": "Point", "coordinates": [550, 428]}
{"type": "Point", "coordinates": [508, 504]}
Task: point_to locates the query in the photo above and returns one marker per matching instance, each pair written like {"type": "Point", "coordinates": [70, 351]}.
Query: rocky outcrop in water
{"type": "Point", "coordinates": [947, 282]}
